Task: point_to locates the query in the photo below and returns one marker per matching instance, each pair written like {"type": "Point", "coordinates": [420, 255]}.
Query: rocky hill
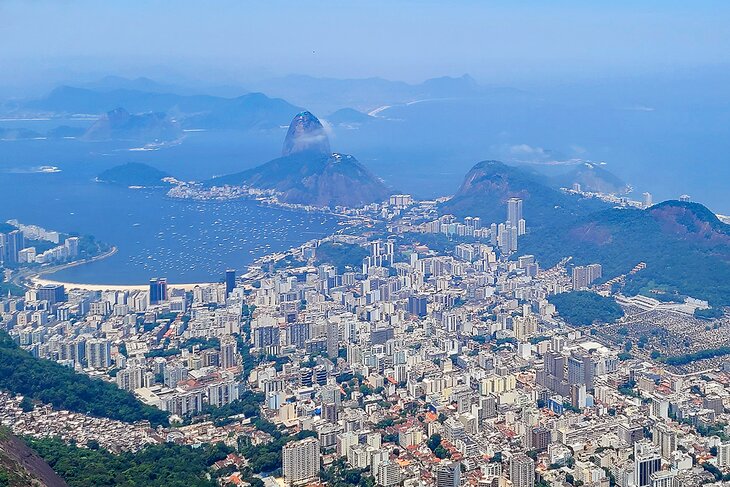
{"type": "Point", "coordinates": [22, 467]}
{"type": "Point", "coordinates": [133, 174]}
{"type": "Point", "coordinates": [489, 184]}
{"type": "Point", "coordinates": [306, 135]}
{"type": "Point", "coordinates": [685, 247]}
{"type": "Point", "coordinates": [307, 173]}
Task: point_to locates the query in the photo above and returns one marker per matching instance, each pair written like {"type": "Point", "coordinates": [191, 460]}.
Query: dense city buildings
{"type": "Point", "coordinates": [411, 363]}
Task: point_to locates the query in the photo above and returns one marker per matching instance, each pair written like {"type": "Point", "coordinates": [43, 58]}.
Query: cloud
{"type": "Point", "coordinates": [638, 108]}
{"type": "Point", "coordinates": [529, 154]}
{"type": "Point", "coordinates": [528, 150]}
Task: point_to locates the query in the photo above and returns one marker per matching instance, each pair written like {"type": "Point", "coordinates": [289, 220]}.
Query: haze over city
{"type": "Point", "coordinates": [358, 244]}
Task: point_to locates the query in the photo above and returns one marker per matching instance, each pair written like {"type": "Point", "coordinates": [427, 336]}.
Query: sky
{"type": "Point", "coordinates": [497, 42]}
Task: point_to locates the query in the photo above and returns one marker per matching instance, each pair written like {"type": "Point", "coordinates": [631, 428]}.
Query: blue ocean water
{"type": "Point", "coordinates": [654, 140]}
{"type": "Point", "coordinates": [183, 240]}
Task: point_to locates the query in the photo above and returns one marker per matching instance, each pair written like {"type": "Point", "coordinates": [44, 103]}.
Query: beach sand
{"type": "Point", "coordinates": [115, 287]}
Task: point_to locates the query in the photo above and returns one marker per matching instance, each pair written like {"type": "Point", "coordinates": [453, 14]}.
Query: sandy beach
{"type": "Point", "coordinates": [37, 281]}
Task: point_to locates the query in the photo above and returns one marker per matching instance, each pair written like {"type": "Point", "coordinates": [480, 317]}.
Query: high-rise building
{"type": "Point", "coordinates": [130, 378]}
{"type": "Point", "coordinates": [14, 243]}
{"type": "Point", "coordinates": [514, 211]}
{"type": "Point", "coordinates": [584, 276]}
{"type": "Point", "coordinates": [522, 471]}
{"type": "Point", "coordinates": [53, 293]}
{"type": "Point", "coordinates": [266, 335]}
{"type": "Point", "coordinates": [388, 474]}
{"type": "Point", "coordinates": [665, 439]}
{"type": "Point", "coordinates": [646, 461]}
{"type": "Point", "coordinates": [300, 461]}
{"type": "Point", "coordinates": [417, 305]}
{"type": "Point", "coordinates": [98, 353]}
{"type": "Point", "coordinates": [664, 478]}
{"type": "Point", "coordinates": [174, 373]}
{"type": "Point", "coordinates": [448, 474]}
{"type": "Point", "coordinates": [297, 334]}
{"type": "Point", "coordinates": [228, 355]}
{"type": "Point", "coordinates": [647, 200]}
{"type": "Point", "coordinates": [72, 247]}
{"type": "Point", "coordinates": [540, 438]}
{"type": "Point", "coordinates": [158, 290]}
{"type": "Point", "coordinates": [723, 454]}
{"type": "Point", "coordinates": [230, 281]}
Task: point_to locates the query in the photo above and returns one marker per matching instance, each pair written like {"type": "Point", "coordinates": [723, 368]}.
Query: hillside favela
{"type": "Point", "coordinates": [359, 244]}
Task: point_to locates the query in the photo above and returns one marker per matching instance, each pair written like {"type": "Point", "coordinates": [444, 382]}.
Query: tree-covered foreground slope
{"type": "Point", "coordinates": [50, 382]}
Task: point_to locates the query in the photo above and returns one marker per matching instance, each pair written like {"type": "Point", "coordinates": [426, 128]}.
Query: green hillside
{"type": "Point", "coordinates": [489, 184]}
{"type": "Point", "coordinates": [685, 247]}
{"type": "Point", "coordinates": [50, 382]}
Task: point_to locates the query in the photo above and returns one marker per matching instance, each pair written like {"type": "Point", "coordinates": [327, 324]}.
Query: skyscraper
{"type": "Point", "coordinates": [14, 243]}
{"type": "Point", "coordinates": [522, 471]}
{"type": "Point", "coordinates": [158, 290]}
{"type": "Point", "coordinates": [300, 461]}
{"type": "Point", "coordinates": [228, 356]}
{"type": "Point", "coordinates": [230, 281]}
{"type": "Point", "coordinates": [514, 210]}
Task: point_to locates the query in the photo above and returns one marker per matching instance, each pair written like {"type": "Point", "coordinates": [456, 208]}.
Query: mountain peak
{"type": "Point", "coordinates": [306, 134]}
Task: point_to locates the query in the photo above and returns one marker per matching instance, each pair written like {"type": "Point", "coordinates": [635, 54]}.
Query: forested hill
{"type": "Point", "coordinates": [685, 247]}
{"type": "Point", "coordinates": [50, 382]}
{"type": "Point", "coordinates": [489, 184]}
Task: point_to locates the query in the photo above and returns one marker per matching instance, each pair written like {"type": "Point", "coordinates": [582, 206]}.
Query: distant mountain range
{"type": "Point", "coordinates": [307, 173]}
{"type": "Point", "coordinates": [119, 124]}
{"type": "Point", "coordinates": [249, 111]}
{"type": "Point", "coordinates": [190, 106]}
{"type": "Point", "coordinates": [369, 93]}
{"type": "Point", "coordinates": [685, 247]}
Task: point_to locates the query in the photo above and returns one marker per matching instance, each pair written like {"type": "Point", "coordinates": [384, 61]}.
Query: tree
{"type": "Point", "coordinates": [166, 465]}
{"type": "Point", "coordinates": [26, 404]}
{"type": "Point", "coordinates": [434, 441]}
{"type": "Point", "coordinates": [583, 308]}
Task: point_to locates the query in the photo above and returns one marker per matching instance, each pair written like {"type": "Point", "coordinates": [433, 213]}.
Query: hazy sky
{"type": "Point", "coordinates": [231, 41]}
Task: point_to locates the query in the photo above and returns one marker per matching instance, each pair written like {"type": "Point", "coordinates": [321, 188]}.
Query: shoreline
{"type": "Point", "coordinates": [115, 287]}
{"type": "Point", "coordinates": [35, 279]}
